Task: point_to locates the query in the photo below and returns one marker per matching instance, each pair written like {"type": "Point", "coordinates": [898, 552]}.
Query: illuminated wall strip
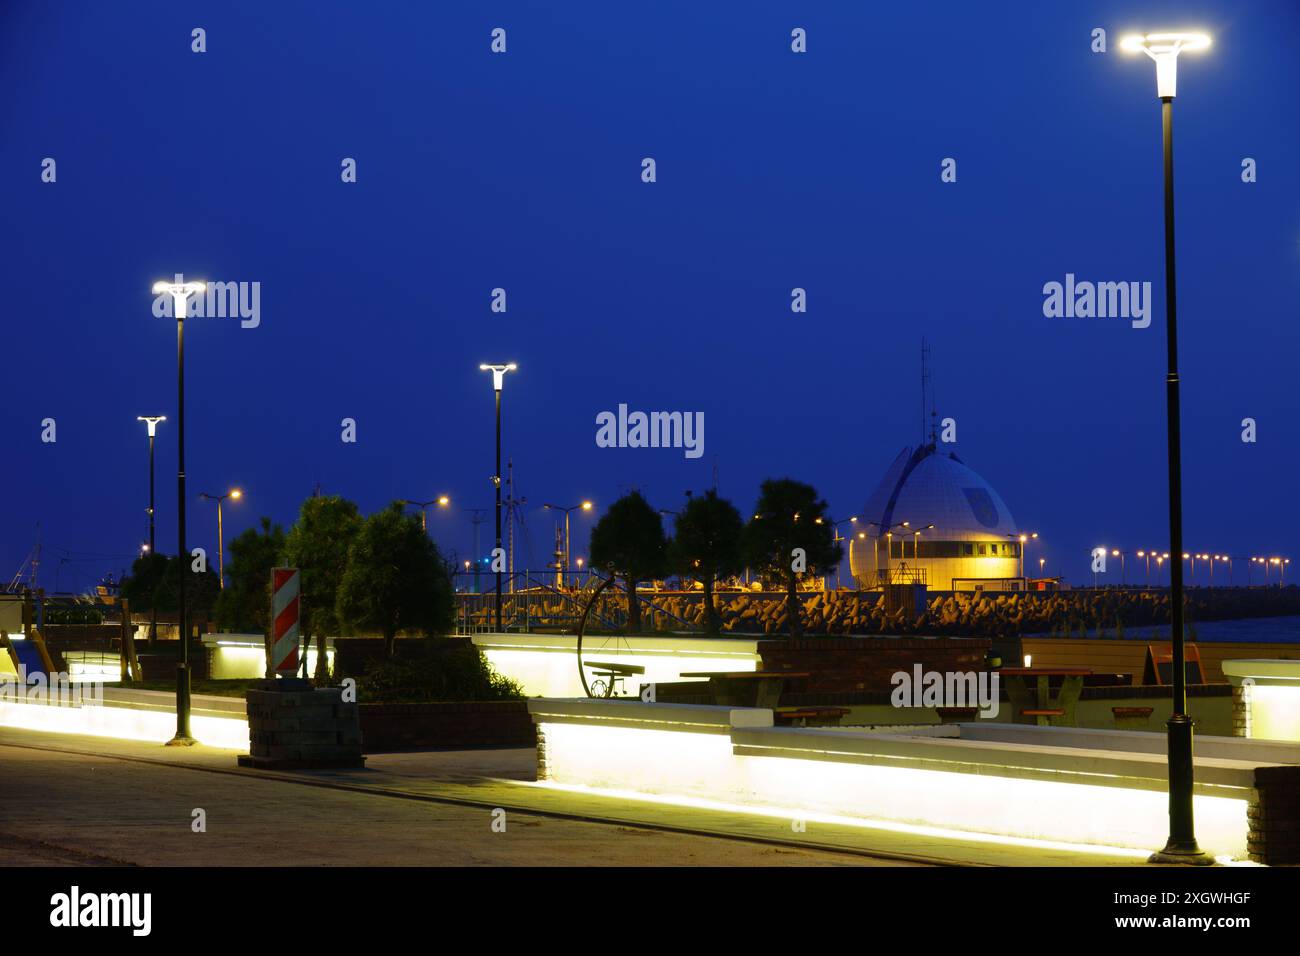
{"type": "Point", "coordinates": [124, 723]}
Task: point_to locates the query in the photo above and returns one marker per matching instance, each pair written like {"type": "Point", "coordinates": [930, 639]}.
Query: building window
{"type": "Point", "coordinates": [968, 548]}
{"type": "Point", "coordinates": [983, 550]}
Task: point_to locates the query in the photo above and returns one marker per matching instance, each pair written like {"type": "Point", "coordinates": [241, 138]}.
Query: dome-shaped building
{"type": "Point", "coordinates": [934, 521]}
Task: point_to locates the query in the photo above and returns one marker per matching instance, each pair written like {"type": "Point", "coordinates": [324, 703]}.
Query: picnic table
{"type": "Point", "coordinates": [610, 674]}
{"type": "Point", "coordinates": [1038, 706]}
{"type": "Point", "coordinates": [747, 688]}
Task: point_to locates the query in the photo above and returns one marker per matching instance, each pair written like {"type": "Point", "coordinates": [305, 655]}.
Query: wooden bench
{"type": "Point", "coordinates": [1131, 718]}
{"type": "Point", "coordinates": [809, 716]}
{"type": "Point", "coordinates": [957, 715]}
{"type": "Point", "coordinates": [1043, 715]}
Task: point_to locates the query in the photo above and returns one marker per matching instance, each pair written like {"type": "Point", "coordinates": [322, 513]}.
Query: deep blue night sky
{"type": "Point", "coordinates": [523, 171]}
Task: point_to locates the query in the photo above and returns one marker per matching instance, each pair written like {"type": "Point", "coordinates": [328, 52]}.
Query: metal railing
{"type": "Point", "coordinates": [536, 603]}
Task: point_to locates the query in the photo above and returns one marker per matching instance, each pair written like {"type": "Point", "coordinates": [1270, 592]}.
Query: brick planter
{"type": "Point", "coordinates": [299, 729]}
{"type": "Point", "coordinates": [449, 725]}
{"type": "Point", "coordinates": [1275, 816]}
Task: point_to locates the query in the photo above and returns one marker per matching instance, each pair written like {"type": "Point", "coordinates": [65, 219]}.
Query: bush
{"type": "Point", "coordinates": [436, 675]}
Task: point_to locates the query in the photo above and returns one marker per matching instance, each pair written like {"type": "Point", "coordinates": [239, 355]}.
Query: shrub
{"type": "Point", "coordinates": [436, 675]}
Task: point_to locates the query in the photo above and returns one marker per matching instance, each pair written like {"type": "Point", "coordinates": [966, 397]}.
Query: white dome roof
{"type": "Point", "coordinates": [925, 487]}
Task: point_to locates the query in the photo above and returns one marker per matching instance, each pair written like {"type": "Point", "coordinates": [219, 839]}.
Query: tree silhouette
{"type": "Point", "coordinates": [706, 545]}
{"type": "Point", "coordinates": [629, 538]}
{"type": "Point", "coordinates": [395, 580]}
{"type": "Point", "coordinates": [789, 516]}
{"type": "Point", "coordinates": [317, 545]}
{"type": "Point", "coordinates": [245, 604]}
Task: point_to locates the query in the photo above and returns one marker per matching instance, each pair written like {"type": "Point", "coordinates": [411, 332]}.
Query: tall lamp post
{"type": "Point", "coordinates": [235, 494]}
{"type": "Point", "coordinates": [1181, 846]}
{"type": "Point", "coordinates": [498, 381]}
{"type": "Point", "coordinates": [180, 291]}
{"type": "Point", "coordinates": [584, 506]}
{"type": "Point", "coordinates": [151, 421]}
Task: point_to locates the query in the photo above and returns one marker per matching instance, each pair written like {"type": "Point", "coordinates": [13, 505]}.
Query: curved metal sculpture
{"type": "Point", "coordinates": [582, 626]}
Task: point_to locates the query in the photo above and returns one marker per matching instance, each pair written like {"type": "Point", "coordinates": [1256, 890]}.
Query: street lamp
{"type": "Point", "coordinates": [1181, 846]}
{"type": "Point", "coordinates": [235, 494]}
{"type": "Point", "coordinates": [498, 381]}
{"type": "Point", "coordinates": [583, 506]}
{"type": "Point", "coordinates": [180, 291]}
{"type": "Point", "coordinates": [442, 501]}
{"type": "Point", "coordinates": [836, 538]}
{"type": "Point", "coordinates": [151, 422]}
{"type": "Point", "coordinates": [1117, 553]}
{"type": "Point", "coordinates": [1023, 538]}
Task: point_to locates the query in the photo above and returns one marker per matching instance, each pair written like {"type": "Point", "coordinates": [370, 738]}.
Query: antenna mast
{"type": "Point", "coordinates": [925, 385]}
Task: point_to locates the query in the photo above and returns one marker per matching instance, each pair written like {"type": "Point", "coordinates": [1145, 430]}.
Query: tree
{"type": "Point", "coordinates": [317, 545]}
{"type": "Point", "coordinates": [788, 537]}
{"type": "Point", "coordinates": [144, 586]}
{"type": "Point", "coordinates": [155, 582]}
{"type": "Point", "coordinates": [706, 546]}
{"type": "Point", "coordinates": [395, 580]}
{"type": "Point", "coordinates": [629, 539]}
{"type": "Point", "coordinates": [245, 604]}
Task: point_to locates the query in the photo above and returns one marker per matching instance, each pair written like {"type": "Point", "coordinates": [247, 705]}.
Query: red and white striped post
{"type": "Point", "coordinates": [285, 629]}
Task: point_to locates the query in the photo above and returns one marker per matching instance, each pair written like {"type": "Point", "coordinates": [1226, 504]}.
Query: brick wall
{"type": "Point", "coordinates": [846, 665]}
{"type": "Point", "coordinates": [1240, 713]}
{"type": "Point", "coordinates": [446, 726]}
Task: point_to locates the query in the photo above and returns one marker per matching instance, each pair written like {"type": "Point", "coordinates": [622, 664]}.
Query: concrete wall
{"type": "Point", "coordinates": [1063, 786]}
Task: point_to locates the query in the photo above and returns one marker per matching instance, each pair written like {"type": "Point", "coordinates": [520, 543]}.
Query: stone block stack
{"type": "Point", "coordinates": [299, 727]}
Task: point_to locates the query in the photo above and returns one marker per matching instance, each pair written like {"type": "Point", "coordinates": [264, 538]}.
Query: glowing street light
{"type": "Point", "coordinates": [498, 382]}
{"type": "Point", "coordinates": [1181, 846]}
{"type": "Point", "coordinates": [580, 506]}
{"type": "Point", "coordinates": [234, 494]}
{"type": "Point", "coordinates": [1024, 538]}
{"type": "Point", "coordinates": [180, 291]}
{"type": "Point", "coordinates": [442, 501]}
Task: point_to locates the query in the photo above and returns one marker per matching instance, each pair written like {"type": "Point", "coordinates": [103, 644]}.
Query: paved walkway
{"type": "Point", "coordinates": [102, 801]}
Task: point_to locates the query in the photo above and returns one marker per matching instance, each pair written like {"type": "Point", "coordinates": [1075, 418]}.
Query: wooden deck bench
{"type": "Point", "coordinates": [1131, 718]}
{"type": "Point", "coordinates": [1042, 715]}
{"type": "Point", "coordinates": [810, 716]}
{"type": "Point", "coordinates": [957, 715]}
